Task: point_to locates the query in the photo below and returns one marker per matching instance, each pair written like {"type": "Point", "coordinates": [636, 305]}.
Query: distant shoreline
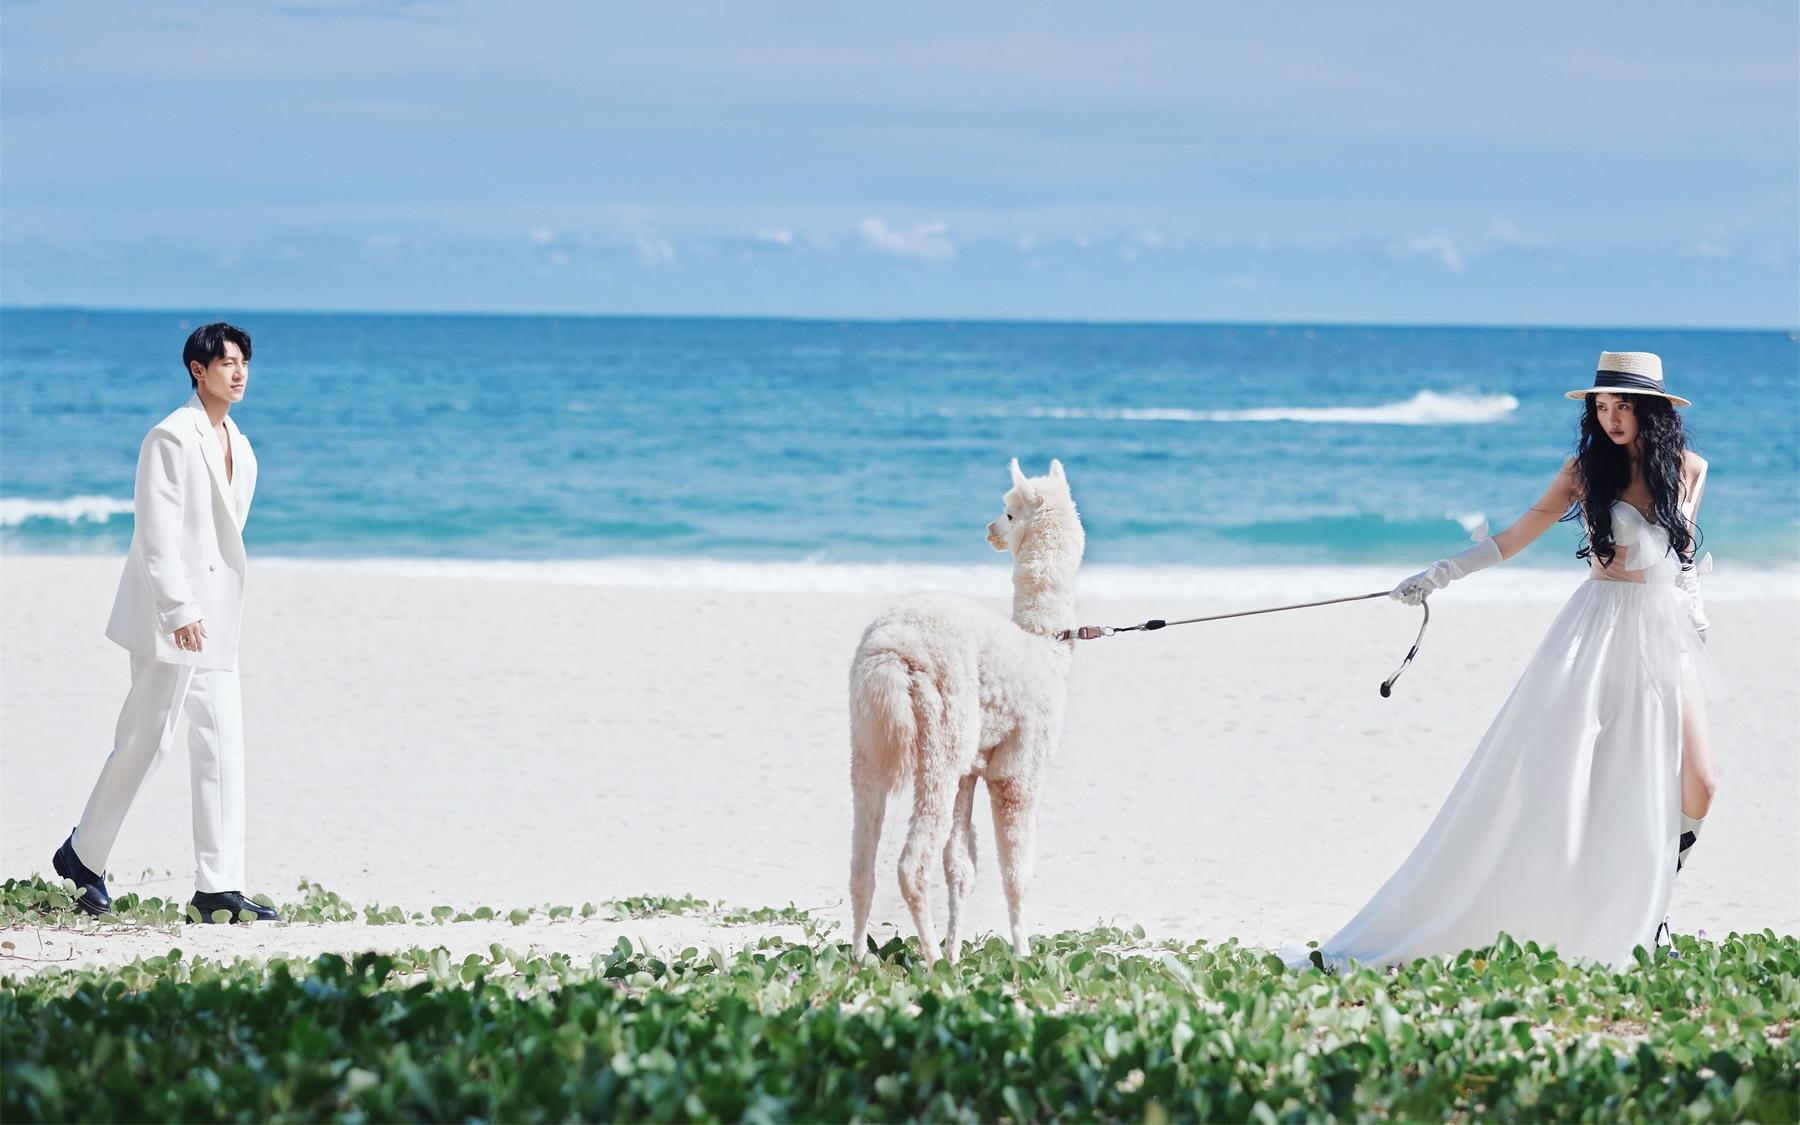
{"type": "Point", "coordinates": [1517, 582]}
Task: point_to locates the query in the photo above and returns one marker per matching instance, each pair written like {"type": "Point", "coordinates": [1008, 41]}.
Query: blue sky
{"type": "Point", "coordinates": [1521, 163]}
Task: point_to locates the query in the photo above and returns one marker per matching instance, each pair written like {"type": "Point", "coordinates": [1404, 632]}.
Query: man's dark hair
{"type": "Point", "coordinates": [208, 343]}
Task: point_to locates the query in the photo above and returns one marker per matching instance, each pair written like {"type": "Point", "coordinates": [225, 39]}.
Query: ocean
{"type": "Point", "coordinates": [872, 454]}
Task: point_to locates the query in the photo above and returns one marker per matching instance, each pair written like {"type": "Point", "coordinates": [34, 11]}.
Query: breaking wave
{"type": "Point", "coordinates": [1426, 408]}
{"type": "Point", "coordinates": [1253, 585]}
{"type": "Point", "coordinates": [15, 511]}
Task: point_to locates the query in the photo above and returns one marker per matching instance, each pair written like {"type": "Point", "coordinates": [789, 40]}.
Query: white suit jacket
{"type": "Point", "coordinates": [187, 560]}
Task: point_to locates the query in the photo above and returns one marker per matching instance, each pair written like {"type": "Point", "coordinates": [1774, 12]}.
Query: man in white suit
{"type": "Point", "coordinates": [177, 614]}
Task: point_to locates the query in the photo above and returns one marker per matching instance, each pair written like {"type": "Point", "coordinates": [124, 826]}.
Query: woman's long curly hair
{"type": "Point", "coordinates": [1605, 471]}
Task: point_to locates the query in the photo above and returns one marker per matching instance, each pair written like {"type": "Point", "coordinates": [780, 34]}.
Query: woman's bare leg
{"type": "Point", "coordinates": [1698, 781]}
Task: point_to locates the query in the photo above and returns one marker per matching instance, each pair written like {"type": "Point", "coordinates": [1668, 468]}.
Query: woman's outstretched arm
{"type": "Point", "coordinates": [1492, 551]}
{"type": "Point", "coordinates": [1541, 516]}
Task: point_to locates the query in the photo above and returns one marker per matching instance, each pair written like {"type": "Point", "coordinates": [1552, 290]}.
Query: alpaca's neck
{"type": "Point", "coordinates": [1043, 596]}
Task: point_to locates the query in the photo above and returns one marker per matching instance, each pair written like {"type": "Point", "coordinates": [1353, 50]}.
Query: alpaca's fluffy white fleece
{"type": "Point", "coordinates": [944, 694]}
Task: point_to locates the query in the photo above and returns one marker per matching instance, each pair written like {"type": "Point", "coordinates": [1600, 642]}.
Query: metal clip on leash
{"type": "Point", "coordinates": [1096, 632]}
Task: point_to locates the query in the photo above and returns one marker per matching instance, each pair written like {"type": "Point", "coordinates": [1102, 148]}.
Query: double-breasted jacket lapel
{"type": "Point", "coordinates": [215, 467]}
{"type": "Point", "coordinates": [243, 473]}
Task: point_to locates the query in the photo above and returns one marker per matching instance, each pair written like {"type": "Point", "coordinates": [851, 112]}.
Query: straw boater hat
{"type": "Point", "coordinates": [1629, 373]}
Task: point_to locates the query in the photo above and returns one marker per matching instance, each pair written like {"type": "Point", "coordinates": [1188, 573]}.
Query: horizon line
{"type": "Point", "coordinates": [1792, 330]}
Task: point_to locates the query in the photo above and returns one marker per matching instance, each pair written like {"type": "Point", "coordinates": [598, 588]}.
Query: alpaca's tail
{"type": "Point", "coordinates": [882, 733]}
{"type": "Point", "coordinates": [883, 728]}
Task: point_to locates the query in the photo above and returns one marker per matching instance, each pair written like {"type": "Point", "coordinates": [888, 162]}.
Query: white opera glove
{"type": "Point", "coordinates": [1414, 590]}
{"type": "Point", "coordinates": [1689, 582]}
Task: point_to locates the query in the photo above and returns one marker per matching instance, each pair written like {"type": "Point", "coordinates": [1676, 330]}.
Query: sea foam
{"type": "Point", "coordinates": [1426, 408]}
{"type": "Point", "coordinates": [15, 511]}
{"type": "Point", "coordinates": [1251, 586]}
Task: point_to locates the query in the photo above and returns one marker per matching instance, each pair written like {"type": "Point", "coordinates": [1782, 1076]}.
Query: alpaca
{"type": "Point", "coordinates": [946, 692]}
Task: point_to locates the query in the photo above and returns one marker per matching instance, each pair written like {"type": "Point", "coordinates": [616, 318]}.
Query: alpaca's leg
{"type": "Point", "coordinates": [959, 863]}
{"type": "Point", "coordinates": [934, 793]}
{"type": "Point", "coordinates": [870, 805]}
{"type": "Point", "coordinates": [1014, 803]}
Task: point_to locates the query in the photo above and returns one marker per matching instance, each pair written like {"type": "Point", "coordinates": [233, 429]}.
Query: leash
{"type": "Point", "coordinates": [1096, 632]}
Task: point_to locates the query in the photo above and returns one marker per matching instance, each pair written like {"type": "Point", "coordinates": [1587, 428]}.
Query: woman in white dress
{"type": "Point", "coordinates": [1570, 821]}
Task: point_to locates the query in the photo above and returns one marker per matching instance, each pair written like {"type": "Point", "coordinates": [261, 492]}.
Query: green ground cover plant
{"type": "Point", "coordinates": [38, 902]}
{"type": "Point", "coordinates": [1093, 1024]}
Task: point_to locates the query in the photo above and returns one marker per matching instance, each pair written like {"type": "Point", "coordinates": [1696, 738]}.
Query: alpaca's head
{"type": "Point", "coordinates": [1039, 513]}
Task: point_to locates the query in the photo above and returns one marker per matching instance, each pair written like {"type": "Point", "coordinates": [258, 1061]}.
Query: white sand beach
{"type": "Point", "coordinates": [419, 739]}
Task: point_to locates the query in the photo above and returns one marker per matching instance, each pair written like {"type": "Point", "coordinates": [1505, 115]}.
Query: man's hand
{"type": "Point", "coordinates": [191, 637]}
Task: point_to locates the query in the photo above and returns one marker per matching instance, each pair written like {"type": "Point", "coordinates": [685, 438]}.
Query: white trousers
{"type": "Point", "coordinates": [166, 700]}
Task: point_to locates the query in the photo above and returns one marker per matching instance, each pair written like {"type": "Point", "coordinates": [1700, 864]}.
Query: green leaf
{"type": "Point", "coordinates": [1181, 1037]}
{"type": "Point", "coordinates": [1521, 1033]}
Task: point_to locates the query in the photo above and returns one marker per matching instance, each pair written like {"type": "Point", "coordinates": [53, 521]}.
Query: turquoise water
{"type": "Point", "coordinates": [763, 441]}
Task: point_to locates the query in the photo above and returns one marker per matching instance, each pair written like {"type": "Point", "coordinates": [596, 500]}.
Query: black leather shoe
{"type": "Point", "coordinates": [90, 889]}
{"type": "Point", "coordinates": [208, 901]}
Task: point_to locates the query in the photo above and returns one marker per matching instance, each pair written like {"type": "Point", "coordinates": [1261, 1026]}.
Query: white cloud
{"type": "Point", "coordinates": [929, 241]}
{"type": "Point", "coordinates": [540, 236]}
{"type": "Point", "coordinates": [1083, 241]}
{"type": "Point", "coordinates": [1707, 248]}
{"type": "Point", "coordinates": [778, 235]}
{"type": "Point", "coordinates": [1503, 230]}
{"type": "Point", "coordinates": [384, 241]}
{"type": "Point", "coordinates": [1438, 247]}
{"type": "Point", "coordinates": [1025, 242]}
{"type": "Point", "coordinates": [1242, 281]}
{"type": "Point", "coordinates": [653, 251]}
{"type": "Point", "coordinates": [1152, 238]}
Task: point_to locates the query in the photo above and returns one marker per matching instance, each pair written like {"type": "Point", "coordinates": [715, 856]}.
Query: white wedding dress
{"type": "Point", "coordinates": [1563, 828]}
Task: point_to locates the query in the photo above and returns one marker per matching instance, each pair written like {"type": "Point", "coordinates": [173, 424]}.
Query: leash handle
{"type": "Point", "coordinates": [1387, 685]}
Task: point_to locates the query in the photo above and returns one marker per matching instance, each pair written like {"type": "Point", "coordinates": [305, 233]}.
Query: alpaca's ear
{"type": "Point", "coordinates": [1026, 492]}
{"type": "Point", "coordinates": [1056, 472]}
